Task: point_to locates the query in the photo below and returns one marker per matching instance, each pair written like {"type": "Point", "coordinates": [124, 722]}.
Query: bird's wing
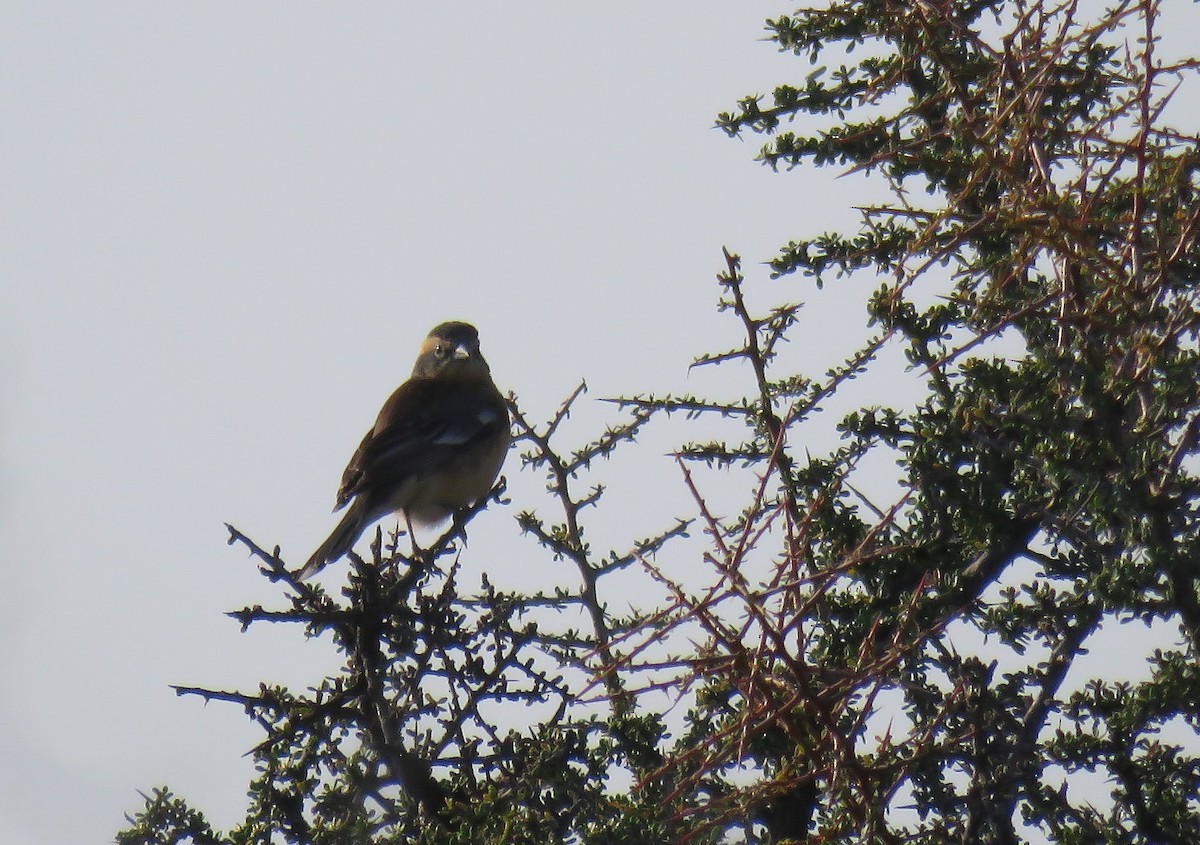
{"type": "Point", "coordinates": [422, 425]}
{"type": "Point", "coordinates": [353, 474]}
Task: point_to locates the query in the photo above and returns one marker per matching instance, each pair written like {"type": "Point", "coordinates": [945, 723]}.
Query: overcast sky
{"type": "Point", "coordinates": [226, 228]}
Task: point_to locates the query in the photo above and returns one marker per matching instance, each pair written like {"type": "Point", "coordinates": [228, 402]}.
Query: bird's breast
{"type": "Point", "coordinates": [432, 497]}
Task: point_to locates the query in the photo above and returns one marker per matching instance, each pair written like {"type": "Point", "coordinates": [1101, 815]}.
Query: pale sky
{"type": "Point", "coordinates": [226, 228]}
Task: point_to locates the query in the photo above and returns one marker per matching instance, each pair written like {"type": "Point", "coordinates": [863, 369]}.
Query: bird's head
{"type": "Point", "coordinates": [451, 351]}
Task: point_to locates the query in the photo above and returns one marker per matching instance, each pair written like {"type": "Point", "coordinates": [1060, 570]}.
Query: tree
{"type": "Point", "coordinates": [1035, 267]}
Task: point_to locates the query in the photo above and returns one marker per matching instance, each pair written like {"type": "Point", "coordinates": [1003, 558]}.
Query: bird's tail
{"type": "Point", "coordinates": [340, 541]}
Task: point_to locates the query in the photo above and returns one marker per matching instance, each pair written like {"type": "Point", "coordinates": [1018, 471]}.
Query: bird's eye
{"type": "Point", "coordinates": [439, 351]}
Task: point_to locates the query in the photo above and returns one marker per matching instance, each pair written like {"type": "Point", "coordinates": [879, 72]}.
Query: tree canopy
{"type": "Point", "coordinates": [887, 640]}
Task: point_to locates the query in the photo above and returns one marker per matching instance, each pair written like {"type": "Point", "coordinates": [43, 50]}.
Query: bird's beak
{"type": "Point", "coordinates": [461, 352]}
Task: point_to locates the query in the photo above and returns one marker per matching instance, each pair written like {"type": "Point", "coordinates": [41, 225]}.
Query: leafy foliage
{"type": "Point", "coordinates": [862, 657]}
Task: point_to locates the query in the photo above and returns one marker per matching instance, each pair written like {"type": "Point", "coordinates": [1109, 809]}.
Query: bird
{"type": "Point", "coordinates": [436, 447]}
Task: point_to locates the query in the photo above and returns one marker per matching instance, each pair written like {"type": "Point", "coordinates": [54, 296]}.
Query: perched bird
{"type": "Point", "coordinates": [436, 447]}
